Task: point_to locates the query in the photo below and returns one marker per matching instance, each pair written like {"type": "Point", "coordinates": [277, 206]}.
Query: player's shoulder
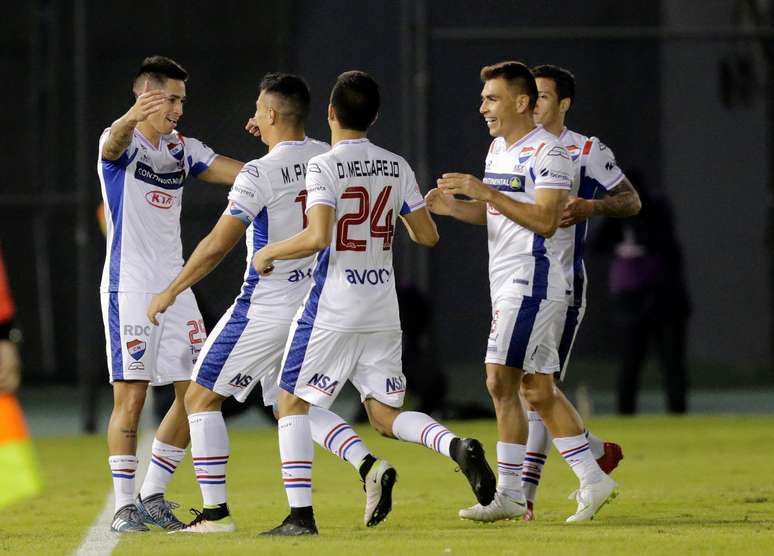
{"type": "Point", "coordinates": [316, 144]}
{"type": "Point", "coordinates": [253, 171]}
{"type": "Point", "coordinates": [497, 146]}
{"type": "Point", "coordinates": [574, 142]}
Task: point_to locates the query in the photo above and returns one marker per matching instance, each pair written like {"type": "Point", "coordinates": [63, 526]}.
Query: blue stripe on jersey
{"type": "Point", "coordinates": [114, 327]}
{"type": "Point", "coordinates": [522, 330]}
{"type": "Point", "coordinates": [540, 277]}
{"type": "Point", "coordinates": [586, 190]}
{"type": "Point", "coordinates": [568, 334]}
{"type": "Point", "coordinates": [229, 335]}
{"type": "Point", "coordinates": [198, 168]}
{"type": "Point", "coordinates": [300, 341]}
{"type": "Point", "coordinates": [405, 209]}
{"type": "Point", "coordinates": [114, 173]}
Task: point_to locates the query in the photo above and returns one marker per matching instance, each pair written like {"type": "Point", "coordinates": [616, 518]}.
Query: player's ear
{"type": "Point", "coordinates": [375, 118]}
{"type": "Point", "coordinates": [272, 115]}
{"type": "Point", "coordinates": [564, 105]}
{"type": "Point", "coordinates": [331, 113]}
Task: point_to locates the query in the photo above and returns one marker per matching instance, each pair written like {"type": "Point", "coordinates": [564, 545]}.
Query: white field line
{"type": "Point", "coordinates": [100, 540]}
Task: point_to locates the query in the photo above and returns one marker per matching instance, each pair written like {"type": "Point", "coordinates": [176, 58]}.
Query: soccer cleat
{"type": "Point", "coordinates": [609, 460]}
{"type": "Point", "coordinates": [293, 527]}
{"type": "Point", "coordinates": [502, 507]}
{"type": "Point", "coordinates": [202, 524]}
{"type": "Point", "coordinates": [128, 520]}
{"type": "Point", "coordinates": [154, 510]}
{"type": "Point", "coordinates": [378, 487]}
{"type": "Point", "coordinates": [469, 455]}
{"type": "Point", "coordinates": [529, 515]}
{"type": "Point", "coordinates": [591, 498]}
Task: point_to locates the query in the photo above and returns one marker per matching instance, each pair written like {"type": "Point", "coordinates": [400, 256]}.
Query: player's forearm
{"type": "Point", "coordinates": [202, 261]}
{"type": "Point", "coordinates": [303, 244]}
{"type": "Point", "coordinates": [620, 202]}
{"type": "Point", "coordinates": [471, 212]}
{"type": "Point", "coordinates": [120, 137]}
{"type": "Point", "coordinates": [223, 170]}
{"type": "Point", "coordinates": [543, 219]}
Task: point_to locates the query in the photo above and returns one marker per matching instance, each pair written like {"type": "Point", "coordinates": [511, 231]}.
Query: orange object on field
{"type": "Point", "coordinates": [12, 425]}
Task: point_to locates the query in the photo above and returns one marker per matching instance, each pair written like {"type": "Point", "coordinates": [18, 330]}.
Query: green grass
{"type": "Point", "coordinates": [696, 485]}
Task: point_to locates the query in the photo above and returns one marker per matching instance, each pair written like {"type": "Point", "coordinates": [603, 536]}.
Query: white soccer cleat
{"type": "Point", "coordinates": [378, 487]}
{"type": "Point", "coordinates": [502, 507]}
{"type": "Point", "coordinates": [591, 498]}
{"type": "Point", "coordinates": [202, 525]}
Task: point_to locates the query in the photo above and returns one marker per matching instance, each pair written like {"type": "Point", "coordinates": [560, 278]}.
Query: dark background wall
{"type": "Point", "coordinates": [657, 104]}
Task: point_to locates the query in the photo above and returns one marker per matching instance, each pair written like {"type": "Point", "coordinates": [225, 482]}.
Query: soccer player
{"type": "Point", "coordinates": [348, 327]}
{"type": "Point", "coordinates": [528, 175]}
{"type": "Point", "coordinates": [595, 169]}
{"type": "Point", "coordinates": [267, 203]}
{"type": "Point", "coordinates": [143, 162]}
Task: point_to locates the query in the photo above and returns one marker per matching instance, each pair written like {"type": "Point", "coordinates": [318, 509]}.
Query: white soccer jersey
{"type": "Point", "coordinates": [354, 286]}
{"type": "Point", "coordinates": [143, 192]}
{"type": "Point", "coordinates": [594, 168]}
{"type": "Point", "coordinates": [270, 196]}
{"type": "Point", "coordinates": [521, 262]}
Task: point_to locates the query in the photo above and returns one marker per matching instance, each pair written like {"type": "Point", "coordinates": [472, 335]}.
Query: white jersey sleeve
{"type": "Point", "coordinates": [412, 197]}
{"type": "Point", "coordinates": [600, 164]}
{"type": "Point", "coordinates": [250, 193]}
{"type": "Point", "coordinates": [200, 156]}
{"type": "Point", "coordinates": [320, 184]}
{"type": "Point", "coordinates": [553, 168]}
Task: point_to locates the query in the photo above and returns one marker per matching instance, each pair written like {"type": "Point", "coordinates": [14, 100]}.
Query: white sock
{"type": "Point", "coordinates": [575, 451]}
{"type": "Point", "coordinates": [123, 469]}
{"type": "Point", "coordinates": [419, 428]}
{"type": "Point", "coordinates": [596, 445]}
{"type": "Point", "coordinates": [538, 445]}
{"type": "Point", "coordinates": [209, 452]}
{"type": "Point", "coordinates": [510, 458]}
{"type": "Point", "coordinates": [296, 454]}
{"type": "Point", "coordinates": [335, 435]}
{"type": "Point", "coordinates": [164, 460]}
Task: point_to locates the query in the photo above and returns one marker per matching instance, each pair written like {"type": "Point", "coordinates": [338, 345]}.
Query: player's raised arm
{"type": "Point", "coordinates": [421, 227]}
{"type": "Point", "coordinates": [315, 237]}
{"type": "Point", "coordinates": [444, 204]}
{"type": "Point", "coordinates": [148, 102]}
{"type": "Point", "coordinates": [222, 170]}
{"type": "Point", "coordinates": [208, 253]}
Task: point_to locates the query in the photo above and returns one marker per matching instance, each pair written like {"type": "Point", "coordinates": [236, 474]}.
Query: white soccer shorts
{"type": "Point", "coordinates": [318, 362]}
{"type": "Point", "coordinates": [241, 351]}
{"type": "Point", "coordinates": [526, 333]}
{"type": "Point", "coordinates": [139, 350]}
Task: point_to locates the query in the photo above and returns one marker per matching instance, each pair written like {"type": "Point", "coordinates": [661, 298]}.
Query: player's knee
{"type": "Point", "coordinates": [381, 417]}
{"type": "Point", "coordinates": [130, 403]}
{"type": "Point", "coordinates": [198, 399]}
{"type": "Point", "coordinates": [500, 387]}
{"type": "Point", "coordinates": [537, 391]}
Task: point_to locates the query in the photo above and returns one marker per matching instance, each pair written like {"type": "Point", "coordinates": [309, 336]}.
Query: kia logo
{"type": "Point", "coordinates": [159, 199]}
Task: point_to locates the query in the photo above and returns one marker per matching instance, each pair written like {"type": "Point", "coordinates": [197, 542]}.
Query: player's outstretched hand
{"type": "Point", "coordinates": [464, 184]}
{"type": "Point", "coordinates": [159, 303]}
{"type": "Point", "coordinates": [575, 211]}
{"type": "Point", "coordinates": [252, 127]}
{"type": "Point", "coordinates": [148, 102]}
{"type": "Point", "coordinates": [439, 202]}
{"type": "Point", "coordinates": [263, 265]}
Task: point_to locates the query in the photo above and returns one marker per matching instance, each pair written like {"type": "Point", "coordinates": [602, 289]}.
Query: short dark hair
{"type": "Point", "coordinates": [563, 79]}
{"type": "Point", "coordinates": [160, 68]}
{"type": "Point", "coordinates": [355, 98]}
{"type": "Point", "coordinates": [516, 74]}
{"type": "Point", "coordinates": [294, 92]}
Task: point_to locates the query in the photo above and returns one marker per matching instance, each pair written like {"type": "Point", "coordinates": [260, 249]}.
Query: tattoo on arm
{"type": "Point", "coordinates": [619, 202]}
{"type": "Point", "coordinates": [119, 139]}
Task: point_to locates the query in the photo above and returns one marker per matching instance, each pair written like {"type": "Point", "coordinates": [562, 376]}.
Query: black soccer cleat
{"type": "Point", "coordinates": [294, 526]}
{"type": "Point", "coordinates": [469, 455]}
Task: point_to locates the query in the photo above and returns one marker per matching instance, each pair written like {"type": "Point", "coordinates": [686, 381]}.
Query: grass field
{"type": "Point", "coordinates": [695, 485]}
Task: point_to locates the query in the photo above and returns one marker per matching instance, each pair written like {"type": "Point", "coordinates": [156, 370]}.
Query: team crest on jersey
{"type": "Point", "coordinates": [176, 150]}
{"type": "Point", "coordinates": [525, 153]}
{"type": "Point", "coordinates": [136, 349]}
{"type": "Point", "coordinates": [574, 151]}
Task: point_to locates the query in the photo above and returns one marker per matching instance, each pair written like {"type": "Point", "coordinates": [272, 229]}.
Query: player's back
{"type": "Point", "coordinates": [369, 187]}
{"type": "Point", "coordinates": [272, 193]}
{"type": "Point", "coordinates": [143, 194]}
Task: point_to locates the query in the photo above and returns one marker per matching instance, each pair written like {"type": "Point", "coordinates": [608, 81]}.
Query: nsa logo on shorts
{"type": "Point", "coordinates": [395, 385]}
{"type": "Point", "coordinates": [136, 349]}
{"type": "Point", "coordinates": [323, 383]}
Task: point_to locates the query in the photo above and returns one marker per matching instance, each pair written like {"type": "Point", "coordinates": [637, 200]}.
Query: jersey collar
{"type": "Point", "coordinates": [292, 143]}
{"type": "Point", "coordinates": [528, 136]}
